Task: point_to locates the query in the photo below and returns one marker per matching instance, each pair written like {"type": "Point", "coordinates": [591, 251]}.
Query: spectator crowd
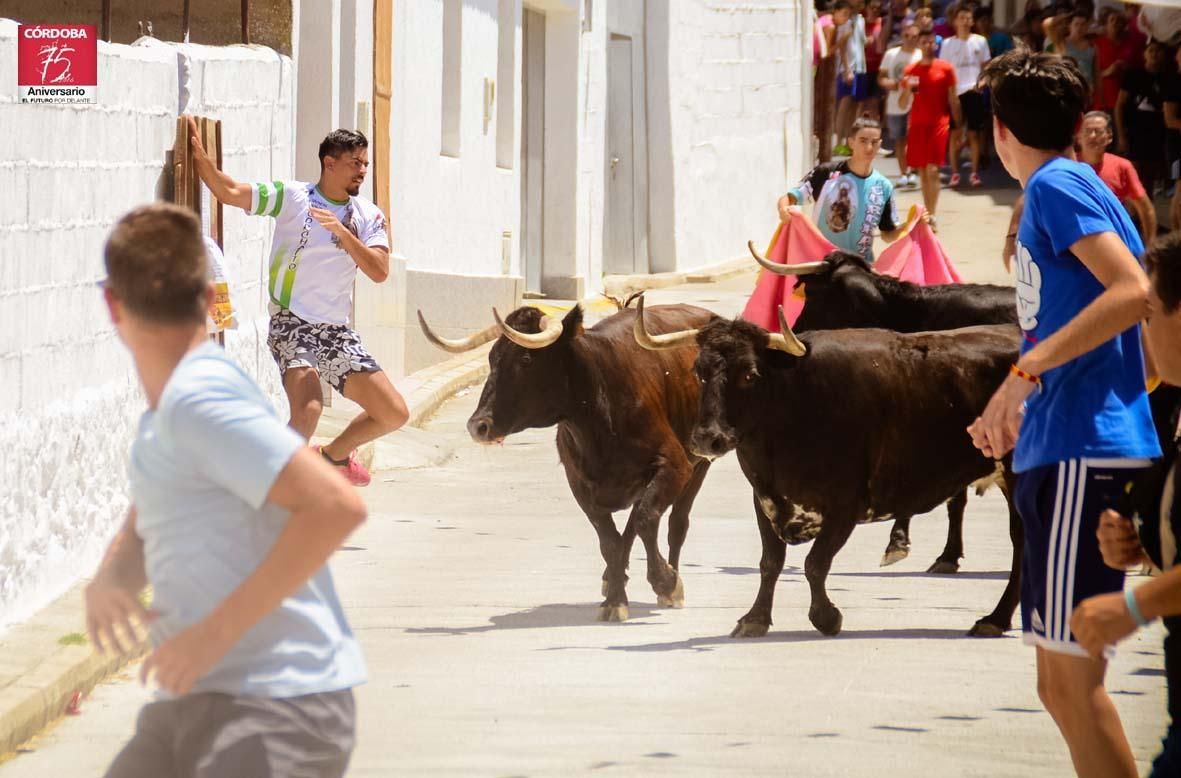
{"type": "Point", "coordinates": [915, 66]}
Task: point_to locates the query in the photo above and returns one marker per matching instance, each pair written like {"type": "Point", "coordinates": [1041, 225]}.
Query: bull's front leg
{"type": "Point", "coordinates": [670, 480]}
{"type": "Point", "coordinates": [834, 531]}
{"type": "Point", "coordinates": [615, 553]}
{"type": "Point", "coordinates": [757, 620]}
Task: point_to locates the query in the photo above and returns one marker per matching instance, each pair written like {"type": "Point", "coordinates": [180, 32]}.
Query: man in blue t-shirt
{"type": "Point", "coordinates": [232, 521]}
{"type": "Point", "coordinates": [1074, 405]}
{"type": "Point", "coordinates": [852, 200]}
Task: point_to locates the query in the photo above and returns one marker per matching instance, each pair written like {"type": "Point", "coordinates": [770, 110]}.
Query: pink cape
{"type": "Point", "coordinates": [916, 257]}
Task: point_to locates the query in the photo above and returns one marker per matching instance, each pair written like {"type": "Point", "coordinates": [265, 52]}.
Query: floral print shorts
{"type": "Point", "coordinates": [332, 349]}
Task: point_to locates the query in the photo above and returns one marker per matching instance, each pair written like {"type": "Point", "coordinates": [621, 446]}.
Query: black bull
{"type": "Point", "coordinates": [842, 427]}
{"type": "Point", "coordinates": [842, 292]}
{"type": "Point", "coordinates": [624, 416]}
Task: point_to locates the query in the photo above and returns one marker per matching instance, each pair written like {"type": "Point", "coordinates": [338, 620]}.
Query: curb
{"type": "Point", "coordinates": [43, 695]}
{"type": "Point", "coordinates": [40, 694]}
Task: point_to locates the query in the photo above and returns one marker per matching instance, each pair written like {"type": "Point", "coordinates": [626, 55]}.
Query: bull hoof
{"type": "Point", "coordinates": [674, 599]}
{"type": "Point", "coordinates": [749, 629]}
{"type": "Point", "coordinates": [986, 629]}
{"type": "Point", "coordinates": [944, 568]}
{"type": "Point", "coordinates": [827, 621]}
{"type": "Point", "coordinates": [894, 554]}
{"type": "Point", "coordinates": [613, 613]}
{"type": "Point", "coordinates": [603, 588]}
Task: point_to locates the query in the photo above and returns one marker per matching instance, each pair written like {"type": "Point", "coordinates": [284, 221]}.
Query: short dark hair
{"type": "Point", "coordinates": [841, 5]}
{"type": "Point", "coordinates": [864, 123]}
{"type": "Point", "coordinates": [1077, 14]}
{"type": "Point", "coordinates": [1039, 97]}
{"type": "Point", "coordinates": [156, 265]}
{"type": "Point", "coordinates": [956, 10]}
{"type": "Point", "coordinates": [339, 141]}
{"type": "Point", "coordinates": [926, 33]}
{"type": "Point", "coordinates": [1163, 262]}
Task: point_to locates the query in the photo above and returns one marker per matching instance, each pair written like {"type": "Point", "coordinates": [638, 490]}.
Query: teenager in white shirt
{"type": "Point", "coordinates": [967, 53]}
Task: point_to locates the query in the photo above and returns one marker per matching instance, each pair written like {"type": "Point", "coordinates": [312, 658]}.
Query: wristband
{"type": "Point", "coordinates": [1030, 377]}
{"type": "Point", "coordinates": [1011, 235]}
{"type": "Point", "coordinates": [1133, 608]}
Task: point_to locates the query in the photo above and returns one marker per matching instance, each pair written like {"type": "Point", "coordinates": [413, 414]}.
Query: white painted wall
{"type": "Point", "coordinates": [738, 83]}
{"type": "Point", "coordinates": [448, 213]}
{"type": "Point", "coordinates": [68, 397]}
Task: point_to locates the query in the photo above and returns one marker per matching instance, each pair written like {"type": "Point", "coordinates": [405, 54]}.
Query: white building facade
{"type": "Point", "coordinates": [535, 146]}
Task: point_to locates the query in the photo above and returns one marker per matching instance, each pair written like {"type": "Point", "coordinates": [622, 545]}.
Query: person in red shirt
{"type": "Point", "coordinates": [1109, 60]}
{"type": "Point", "coordinates": [1118, 173]}
{"type": "Point", "coordinates": [930, 85]}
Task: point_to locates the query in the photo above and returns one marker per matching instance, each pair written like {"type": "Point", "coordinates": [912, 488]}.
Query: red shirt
{"type": "Point", "coordinates": [1107, 53]}
{"type": "Point", "coordinates": [931, 103]}
{"type": "Point", "coordinates": [1119, 174]}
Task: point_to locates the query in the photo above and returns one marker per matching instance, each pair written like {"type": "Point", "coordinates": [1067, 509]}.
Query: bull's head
{"type": "Point", "coordinates": [732, 360]}
{"type": "Point", "coordinates": [529, 375]}
{"type": "Point", "coordinates": [842, 291]}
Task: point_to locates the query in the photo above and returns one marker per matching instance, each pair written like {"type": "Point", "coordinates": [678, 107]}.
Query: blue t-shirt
{"type": "Point", "coordinates": [201, 467]}
{"type": "Point", "coordinates": [1095, 405]}
{"type": "Point", "coordinates": [848, 207]}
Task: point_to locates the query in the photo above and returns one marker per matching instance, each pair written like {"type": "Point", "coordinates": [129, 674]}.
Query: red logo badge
{"type": "Point", "coordinates": [57, 63]}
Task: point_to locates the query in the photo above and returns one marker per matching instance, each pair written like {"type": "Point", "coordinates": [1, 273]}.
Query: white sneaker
{"type": "Point", "coordinates": [912, 181]}
{"type": "Point", "coordinates": [902, 182]}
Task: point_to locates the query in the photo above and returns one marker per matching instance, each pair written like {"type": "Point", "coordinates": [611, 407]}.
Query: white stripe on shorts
{"type": "Point", "coordinates": [1063, 508]}
{"type": "Point", "coordinates": [1072, 554]}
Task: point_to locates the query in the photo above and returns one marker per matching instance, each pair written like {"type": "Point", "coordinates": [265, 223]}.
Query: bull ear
{"type": "Point", "coordinates": [572, 324]}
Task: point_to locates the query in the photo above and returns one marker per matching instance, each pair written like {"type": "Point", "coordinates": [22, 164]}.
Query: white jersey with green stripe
{"type": "Point", "coordinates": [311, 275]}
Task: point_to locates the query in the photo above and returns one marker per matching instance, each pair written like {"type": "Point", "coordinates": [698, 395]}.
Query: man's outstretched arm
{"type": "Point", "coordinates": [224, 188]}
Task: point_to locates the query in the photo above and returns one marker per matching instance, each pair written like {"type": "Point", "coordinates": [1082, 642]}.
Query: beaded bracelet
{"type": "Point", "coordinates": [1030, 377]}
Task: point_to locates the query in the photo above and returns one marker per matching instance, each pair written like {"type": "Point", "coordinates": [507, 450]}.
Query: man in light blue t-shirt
{"type": "Point", "coordinates": [1074, 405]}
{"type": "Point", "coordinates": [232, 522]}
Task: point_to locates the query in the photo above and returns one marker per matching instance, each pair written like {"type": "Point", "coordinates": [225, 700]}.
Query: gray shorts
{"type": "Point", "coordinates": [213, 735]}
{"type": "Point", "coordinates": [896, 126]}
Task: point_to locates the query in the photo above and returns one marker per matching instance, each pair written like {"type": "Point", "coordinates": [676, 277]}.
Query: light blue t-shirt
{"type": "Point", "coordinates": [1095, 405]}
{"type": "Point", "coordinates": [201, 467]}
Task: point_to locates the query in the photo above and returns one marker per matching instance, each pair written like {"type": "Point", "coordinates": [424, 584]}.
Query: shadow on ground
{"type": "Point", "coordinates": [546, 616]}
{"type": "Point", "coordinates": [797, 636]}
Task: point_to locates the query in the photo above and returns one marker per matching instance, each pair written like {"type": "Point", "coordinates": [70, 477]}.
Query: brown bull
{"type": "Point", "coordinates": [624, 416]}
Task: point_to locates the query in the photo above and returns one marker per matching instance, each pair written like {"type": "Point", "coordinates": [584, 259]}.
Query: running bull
{"type": "Point", "coordinates": [840, 427]}
{"type": "Point", "coordinates": [624, 416]}
{"type": "Point", "coordinates": [842, 291]}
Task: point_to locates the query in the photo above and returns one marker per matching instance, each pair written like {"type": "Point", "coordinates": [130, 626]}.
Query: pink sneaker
{"type": "Point", "coordinates": [354, 472]}
{"type": "Point", "coordinates": [975, 181]}
{"type": "Point", "coordinates": [954, 180]}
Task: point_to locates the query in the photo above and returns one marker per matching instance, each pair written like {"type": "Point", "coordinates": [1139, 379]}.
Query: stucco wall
{"type": "Point", "coordinates": [68, 397]}
{"type": "Point", "coordinates": [737, 96]}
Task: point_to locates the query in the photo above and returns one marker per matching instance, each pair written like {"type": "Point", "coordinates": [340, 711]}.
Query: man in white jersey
{"type": "Point", "coordinates": [324, 232]}
{"type": "Point", "coordinates": [232, 522]}
{"type": "Point", "coordinates": [894, 64]}
{"type": "Point", "coordinates": [968, 53]}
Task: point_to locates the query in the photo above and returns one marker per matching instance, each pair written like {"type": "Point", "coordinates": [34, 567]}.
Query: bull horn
{"type": "Point", "coordinates": [800, 269]}
{"type": "Point", "coordinates": [657, 342]}
{"type": "Point", "coordinates": [785, 340]}
{"type": "Point", "coordinates": [551, 330]}
{"type": "Point", "coordinates": [461, 345]}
